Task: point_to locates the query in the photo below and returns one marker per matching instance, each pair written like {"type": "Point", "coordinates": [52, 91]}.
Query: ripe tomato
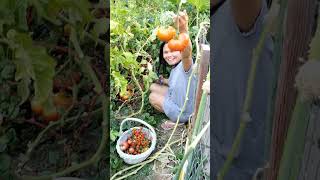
{"type": "Point", "coordinates": [126, 95]}
{"type": "Point", "coordinates": [166, 34]}
{"type": "Point", "coordinates": [180, 43]}
{"type": "Point", "coordinates": [129, 141]}
{"type": "Point", "coordinates": [124, 146]}
{"type": "Point", "coordinates": [36, 108]}
{"type": "Point", "coordinates": [67, 30]}
{"type": "Point", "coordinates": [61, 100]}
{"type": "Point", "coordinates": [131, 150]}
{"type": "Point", "coordinates": [51, 116]}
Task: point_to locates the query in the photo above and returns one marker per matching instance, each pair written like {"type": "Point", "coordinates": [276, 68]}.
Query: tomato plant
{"type": "Point", "coordinates": [52, 87]}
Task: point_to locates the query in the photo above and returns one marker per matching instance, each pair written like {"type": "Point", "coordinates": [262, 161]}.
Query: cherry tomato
{"type": "Point", "coordinates": [51, 116]}
{"type": "Point", "coordinates": [129, 141]}
{"type": "Point", "coordinates": [131, 150]}
{"type": "Point", "coordinates": [126, 95]}
{"type": "Point", "coordinates": [36, 108]}
{"type": "Point", "coordinates": [61, 100]}
{"type": "Point", "coordinates": [125, 145]}
{"type": "Point", "coordinates": [66, 30]}
{"type": "Point", "coordinates": [166, 34]}
{"type": "Point", "coordinates": [123, 148]}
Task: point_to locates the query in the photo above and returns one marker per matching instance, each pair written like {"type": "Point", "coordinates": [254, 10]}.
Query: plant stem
{"type": "Point", "coordinates": [190, 150]}
{"type": "Point", "coordinates": [294, 145]}
{"type": "Point", "coordinates": [105, 135]}
{"type": "Point", "coordinates": [140, 164]}
{"type": "Point", "coordinates": [142, 98]}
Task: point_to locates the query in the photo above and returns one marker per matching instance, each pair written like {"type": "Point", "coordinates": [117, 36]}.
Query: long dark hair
{"type": "Point", "coordinates": [162, 63]}
{"type": "Point", "coordinates": [214, 8]}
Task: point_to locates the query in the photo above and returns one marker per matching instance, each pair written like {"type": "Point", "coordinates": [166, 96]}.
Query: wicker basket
{"type": "Point", "coordinates": [150, 134]}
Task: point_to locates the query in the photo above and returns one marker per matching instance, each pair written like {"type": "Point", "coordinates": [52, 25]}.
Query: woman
{"type": "Point", "coordinates": [168, 96]}
{"type": "Point", "coordinates": [237, 27]}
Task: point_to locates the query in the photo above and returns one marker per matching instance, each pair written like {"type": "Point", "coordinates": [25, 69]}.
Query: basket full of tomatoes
{"type": "Point", "coordinates": [137, 143]}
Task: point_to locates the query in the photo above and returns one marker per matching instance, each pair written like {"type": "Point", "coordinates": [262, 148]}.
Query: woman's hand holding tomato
{"type": "Point", "coordinates": [181, 21]}
{"type": "Point", "coordinates": [187, 51]}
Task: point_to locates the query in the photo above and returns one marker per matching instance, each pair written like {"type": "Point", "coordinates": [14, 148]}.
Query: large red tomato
{"type": "Point", "coordinates": [179, 44]}
{"type": "Point", "coordinates": [166, 34]}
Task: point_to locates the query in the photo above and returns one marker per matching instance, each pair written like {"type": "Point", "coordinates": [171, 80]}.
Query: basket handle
{"type": "Point", "coordinates": [137, 120]}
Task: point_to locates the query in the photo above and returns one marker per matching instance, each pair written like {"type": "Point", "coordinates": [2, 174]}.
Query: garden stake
{"type": "Point", "coordinates": [295, 142]}
{"type": "Point", "coordinates": [277, 61]}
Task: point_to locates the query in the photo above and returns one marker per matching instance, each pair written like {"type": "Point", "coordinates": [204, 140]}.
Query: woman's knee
{"type": "Point", "coordinates": [152, 98]}
{"type": "Point", "coordinates": [156, 101]}
{"type": "Point", "coordinates": [153, 87]}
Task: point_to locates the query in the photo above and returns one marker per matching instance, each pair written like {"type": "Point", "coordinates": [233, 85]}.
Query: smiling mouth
{"type": "Point", "coordinates": [171, 59]}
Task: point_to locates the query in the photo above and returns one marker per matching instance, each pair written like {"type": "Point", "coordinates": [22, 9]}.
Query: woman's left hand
{"type": "Point", "coordinates": [186, 53]}
{"type": "Point", "coordinates": [183, 21]}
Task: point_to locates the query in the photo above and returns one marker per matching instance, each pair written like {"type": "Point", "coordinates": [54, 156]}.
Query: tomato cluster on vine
{"type": "Point", "coordinates": [169, 35]}
{"type": "Point", "coordinates": [137, 143]}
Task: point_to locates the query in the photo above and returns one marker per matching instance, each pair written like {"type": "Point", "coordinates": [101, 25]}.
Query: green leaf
{"type": "Point", "coordinates": [113, 25]}
{"type": "Point", "coordinates": [33, 62]}
{"type": "Point", "coordinates": [5, 162]}
{"type": "Point", "coordinates": [3, 146]}
{"type": "Point", "coordinates": [6, 15]}
{"type": "Point", "coordinates": [129, 61]}
{"type": "Point", "coordinates": [21, 11]}
{"type": "Point", "coordinates": [7, 71]}
{"type": "Point", "coordinates": [8, 138]}
{"type": "Point", "coordinates": [43, 12]}
{"type": "Point", "coordinates": [201, 5]}
{"type": "Point", "coordinates": [53, 157]}
{"type": "Point", "coordinates": [75, 42]}
{"type": "Point", "coordinates": [113, 135]}
{"type": "Point", "coordinates": [315, 44]}
{"type": "Point", "coordinates": [120, 82]}
{"type": "Point", "coordinates": [101, 26]}
{"type": "Point", "coordinates": [23, 89]}
{"type": "Point", "coordinates": [50, 9]}
{"type": "Point", "coordinates": [175, 1]}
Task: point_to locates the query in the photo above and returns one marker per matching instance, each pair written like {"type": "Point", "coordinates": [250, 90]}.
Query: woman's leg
{"type": "Point", "coordinates": [159, 89]}
{"type": "Point", "coordinates": [157, 95]}
{"type": "Point", "coordinates": [157, 100]}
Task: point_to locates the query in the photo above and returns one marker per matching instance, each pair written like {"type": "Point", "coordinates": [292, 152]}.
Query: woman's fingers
{"type": "Point", "coordinates": [183, 17]}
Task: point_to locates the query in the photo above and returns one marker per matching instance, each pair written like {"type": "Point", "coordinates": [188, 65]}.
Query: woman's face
{"type": "Point", "coordinates": [171, 57]}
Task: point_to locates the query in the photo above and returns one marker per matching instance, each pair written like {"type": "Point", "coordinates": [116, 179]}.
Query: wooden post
{"type": "Point", "coordinates": [296, 40]}
{"type": "Point", "coordinates": [202, 73]}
